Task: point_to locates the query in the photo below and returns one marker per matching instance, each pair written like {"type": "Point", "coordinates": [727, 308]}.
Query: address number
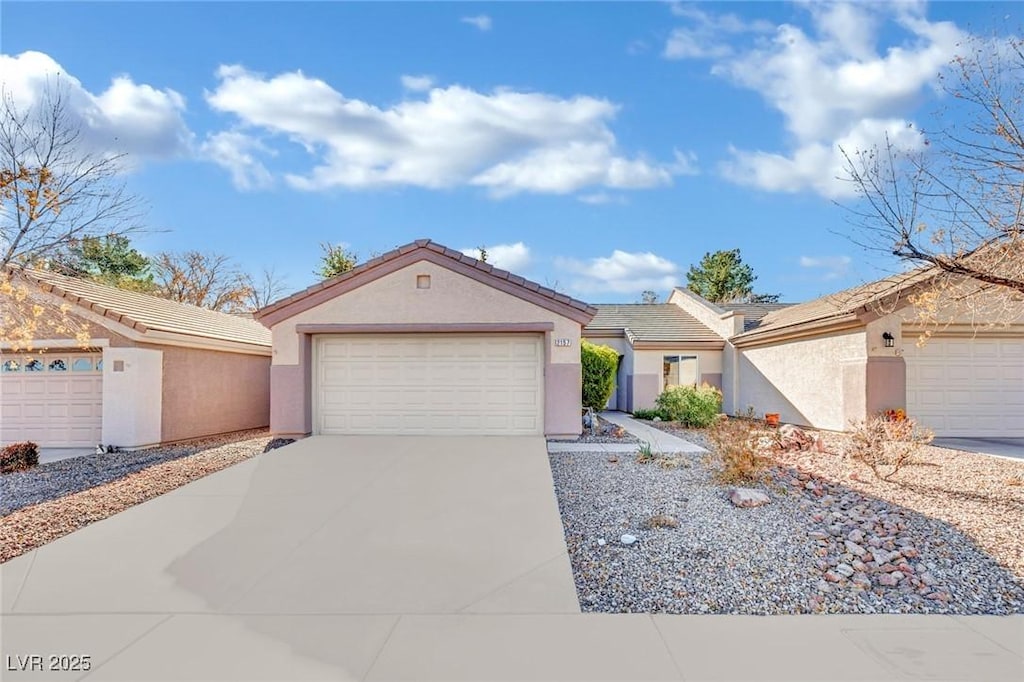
{"type": "Point", "coordinates": [563, 342]}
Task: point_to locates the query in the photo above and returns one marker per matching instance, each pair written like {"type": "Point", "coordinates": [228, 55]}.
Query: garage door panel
{"type": "Point", "coordinates": [967, 387]}
{"type": "Point", "coordinates": [422, 384]}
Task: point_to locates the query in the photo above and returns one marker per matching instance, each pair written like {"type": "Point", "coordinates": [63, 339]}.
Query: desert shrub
{"type": "Point", "coordinates": [600, 364]}
{"type": "Point", "coordinates": [19, 456]}
{"type": "Point", "coordinates": [884, 444]}
{"type": "Point", "coordinates": [694, 406]}
{"type": "Point", "coordinates": [644, 453]}
{"type": "Point", "coordinates": [736, 450]}
{"type": "Point", "coordinates": [649, 415]}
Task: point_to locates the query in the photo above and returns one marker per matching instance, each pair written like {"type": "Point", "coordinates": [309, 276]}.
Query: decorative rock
{"type": "Point", "coordinates": [845, 570]}
{"type": "Point", "coordinates": [818, 535]}
{"type": "Point", "coordinates": [856, 536]}
{"type": "Point", "coordinates": [854, 548]}
{"type": "Point", "coordinates": [859, 566]}
{"type": "Point", "coordinates": [889, 579]}
{"type": "Point", "coordinates": [793, 438]}
{"type": "Point", "coordinates": [627, 539]}
{"type": "Point", "coordinates": [600, 542]}
{"type": "Point", "coordinates": [832, 577]}
{"type": "Point", "coordinates": [928, 579]}
{"type": "Point", "coordinates": [748, 497]}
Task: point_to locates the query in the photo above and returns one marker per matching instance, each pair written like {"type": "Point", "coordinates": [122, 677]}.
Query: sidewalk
{"type": "Point", "coordinates": [660, 440]}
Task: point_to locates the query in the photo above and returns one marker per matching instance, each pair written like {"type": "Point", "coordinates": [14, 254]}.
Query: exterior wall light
{"type": "Point", "coordinates": [889, 339]}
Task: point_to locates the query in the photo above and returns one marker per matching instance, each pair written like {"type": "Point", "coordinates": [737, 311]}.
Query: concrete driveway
{"type": "Point", "coordinates": [347, 526]}
{"type": "Point", "coordinates": [1007, 447]}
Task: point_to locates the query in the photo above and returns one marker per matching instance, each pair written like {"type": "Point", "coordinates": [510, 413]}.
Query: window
{"type": "Point", "coordinates": [34, 366]}
{"type": "Point", "coordinates": [81, 365]}
{"type": "Point", "coordinates": [58, 365]}
{"type": "Point", "coordinates": [679, 370]}
{"type": "Point", "coordinates": [11, 366]}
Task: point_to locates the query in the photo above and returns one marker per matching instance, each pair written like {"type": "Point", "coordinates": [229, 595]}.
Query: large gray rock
{"type": "Point", "coordinates": [748, 497]}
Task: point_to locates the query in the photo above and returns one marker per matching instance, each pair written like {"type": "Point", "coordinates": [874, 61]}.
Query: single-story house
{"type": "Point", "coordinates": [659, 344]}
{"type": "Point", "coordinates": [424, 340]}
{"type": "Point", "coordinates": [154, 371]}
{"type": "Point", "coordinates": [828, 362]}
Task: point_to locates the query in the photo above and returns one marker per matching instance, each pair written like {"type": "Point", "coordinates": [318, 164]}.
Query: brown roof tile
{"type": "Point", "coordinates": [143, 312]}
{"type": "Point", "coordinates": [664, 322]}
{"type": "Point", "coordinates": [839, 304]}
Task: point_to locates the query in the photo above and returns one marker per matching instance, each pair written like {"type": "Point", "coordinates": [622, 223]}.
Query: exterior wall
{"type": "Point", "coordinates": [818, 381]}
{"type": "Point", "coordinates": [647, 372]}
{"type": "Point", "coordinates": [207, 392]}
{"type": "Point", "coordinates": [132, 394]}
{"type": "Point", "coordinates": [451, 299]}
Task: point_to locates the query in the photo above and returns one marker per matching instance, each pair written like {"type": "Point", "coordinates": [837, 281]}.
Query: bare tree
{"type": "Point", "coordinates": [957, 206]}
{"type": "Point", "coordinates": [54, 191]}
{"type": "Point", "coordinates": [207, 280]}
{"type": "Point", "coordinates": [264, 288]}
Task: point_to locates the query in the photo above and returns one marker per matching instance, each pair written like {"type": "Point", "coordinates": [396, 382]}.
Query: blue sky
{"type": "Point", "coordinates": [599, 147]}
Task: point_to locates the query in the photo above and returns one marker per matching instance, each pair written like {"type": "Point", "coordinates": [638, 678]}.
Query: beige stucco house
{"type": "Point", "coordinates": [426, 340]}
{"type": "Point", "coordinates": [830, 361]}
{"type": "Point", "coordinates": [154, 371]}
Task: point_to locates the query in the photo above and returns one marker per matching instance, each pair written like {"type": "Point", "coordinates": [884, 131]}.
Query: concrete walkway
{"type": "Point", "coordinates": [660, 440]}
{"type": "Point", "coordinates": [409, 559]}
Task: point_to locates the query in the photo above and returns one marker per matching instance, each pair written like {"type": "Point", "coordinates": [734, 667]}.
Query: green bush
{"type": "Point", "coordinates": [18, 456]}
{"type": "Point", "coordinates": [649, 415]}
{"type": "Point", "coordinates": [694, 406]}
{"type": "Point", "coordinates": [600, 364]}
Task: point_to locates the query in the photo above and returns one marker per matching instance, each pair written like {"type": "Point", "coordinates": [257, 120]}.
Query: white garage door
{"type": "Point", "coordinates": [53, 399]}
{"type": "Point", "coordinates": [441, 384]}
{"type": "Point", "coordinates": [967, 387]}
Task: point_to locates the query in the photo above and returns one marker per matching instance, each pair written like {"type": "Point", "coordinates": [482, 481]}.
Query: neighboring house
{"type": "Point", "coordinates": [659, 344]}
{"type": "Point", "coordinates": [155, 371]}
{"type": "Point", "coordinates": [827, 362]}
{"type": "Point", "coordinates": [424, 340]}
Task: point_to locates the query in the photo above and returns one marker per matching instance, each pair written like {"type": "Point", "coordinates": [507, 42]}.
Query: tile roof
{"type": "Point", "coordinates": [433, 246]}
{"type": "Point", "coordinates": [840, 304]}
{"type": "Point", "coordinates": [143, 312]}
{"type": "Point", "coordinates": [753, 313]}
{"type": "Point", "coordinates": [664, 322]}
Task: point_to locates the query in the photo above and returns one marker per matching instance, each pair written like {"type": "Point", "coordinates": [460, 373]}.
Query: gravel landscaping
{"type": "Point", "coordinates": [819, 546]}
{"type": "Point", "coordinates": [54, 499]}
{"type": "Point", "coordinates": [58, 479]}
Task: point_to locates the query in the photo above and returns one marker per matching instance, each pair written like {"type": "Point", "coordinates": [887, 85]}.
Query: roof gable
{"type": "Point", "coordinates": [424, 249]}
{"type": "Point", "coordinates": [143, 313]}
{"type": "Point", "coordinates": [842, 305]}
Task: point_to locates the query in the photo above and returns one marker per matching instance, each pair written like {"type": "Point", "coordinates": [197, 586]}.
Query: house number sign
{"type": "Point", "coordinates": [563, 342]}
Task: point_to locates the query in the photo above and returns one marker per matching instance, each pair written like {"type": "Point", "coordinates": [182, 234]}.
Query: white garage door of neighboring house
{"type": "Point", "coordinates": [53, 399]}
{"type": "Point", "coordinates": [431, 384]}
{"type": "Point", "coordinates": [967, 387]}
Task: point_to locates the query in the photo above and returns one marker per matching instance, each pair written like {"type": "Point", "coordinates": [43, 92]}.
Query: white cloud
{"type": "Point", "coordinates": [417, 83]}
{"type": "Point", "coordinates": [511, 257]}
{"type": "Point", "coordinates": [621, 273]}
{"type": "Point", "coordinates": [836, 88]}
{"type": "Point", "coordinates": [129, 118]}
{"type": "Point", "coordinates": [505, 141]}
{"type": "Point", "coordinates": [834, 267]}
{"type": "Point", "coordinates": [707, 35]}
{"type": "Point", "coordinates": [481, 21]}
{"type": "Point", "coordinates": [233, 150]}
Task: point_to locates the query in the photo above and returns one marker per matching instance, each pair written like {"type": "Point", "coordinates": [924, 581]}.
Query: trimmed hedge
{"type": "Point", "coordinates": [694, 406]}
{"type": "Point", "coordinates": [18, 456]}
{"type": "Point", "coordinates": [600, 363]}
